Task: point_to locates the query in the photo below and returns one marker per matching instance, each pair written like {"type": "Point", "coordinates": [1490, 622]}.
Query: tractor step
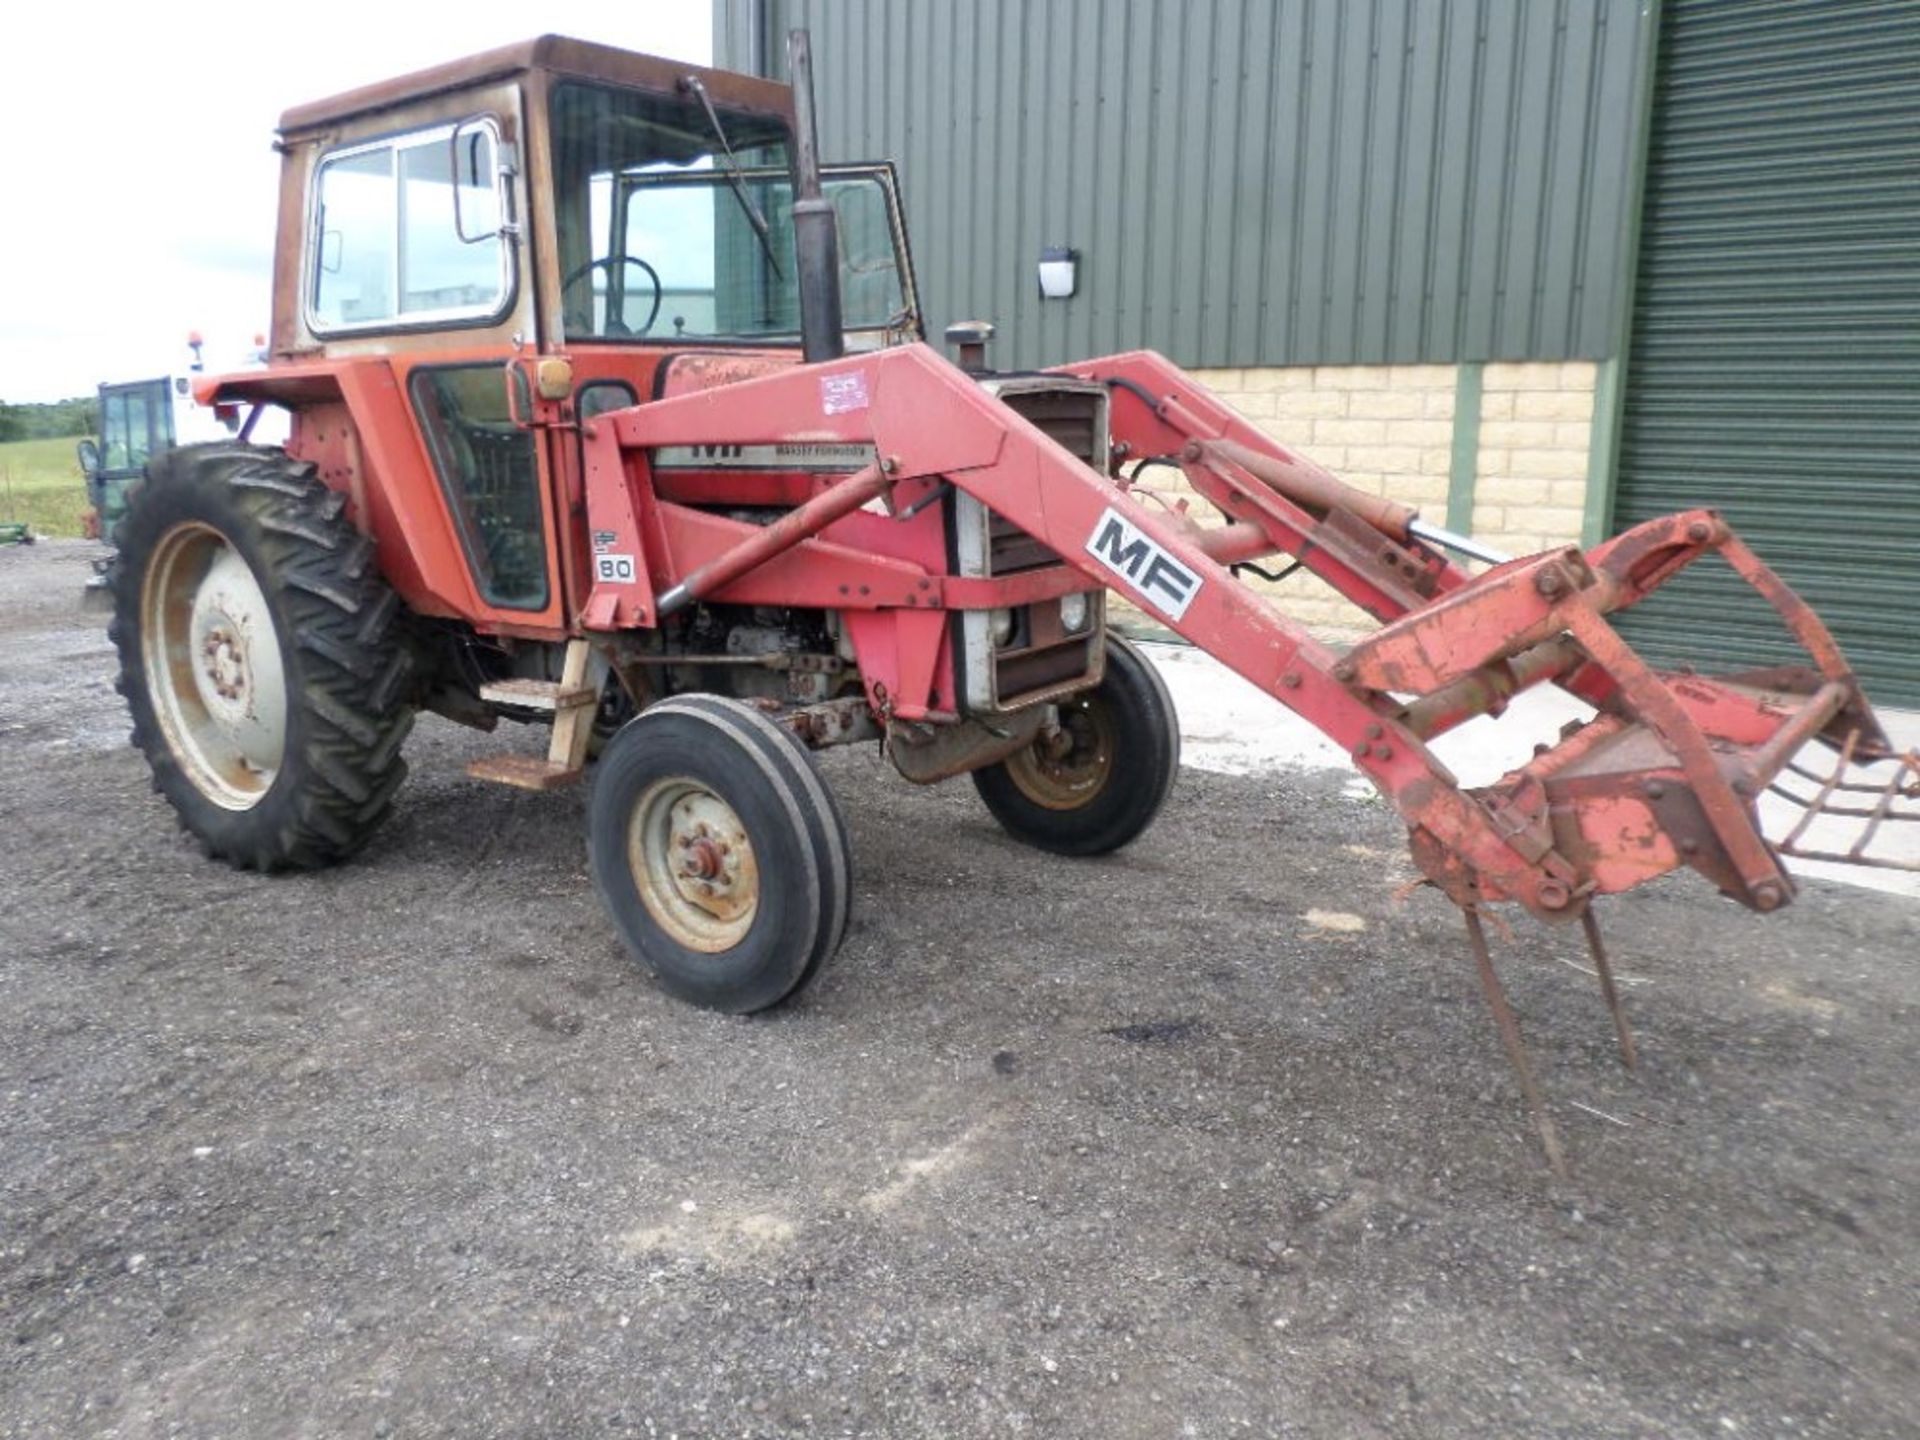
{"type": "Point", "coordinates": [524, 772]}
{"type": "Point", "coordinates": [573, 702]}
{"type": "Point", "coordinates": [552, 695]}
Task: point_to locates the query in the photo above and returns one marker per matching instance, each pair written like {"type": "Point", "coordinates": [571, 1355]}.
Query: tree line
{"type": "Point", "coordinates": [50, 420]}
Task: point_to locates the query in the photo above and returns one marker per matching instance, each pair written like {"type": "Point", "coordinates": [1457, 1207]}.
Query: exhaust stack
{"type": "Point", "coordinates": [816, 238]}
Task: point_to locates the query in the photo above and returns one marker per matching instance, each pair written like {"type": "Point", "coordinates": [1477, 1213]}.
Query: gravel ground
{"type": "Point", "coordinates": [1212, 1137]}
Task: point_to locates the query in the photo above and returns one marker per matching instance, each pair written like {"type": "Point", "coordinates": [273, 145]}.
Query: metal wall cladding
{"type": "Point", "coordinates": [1775, 354]}
{"type": "Point", "coordinates": [1248, 182]}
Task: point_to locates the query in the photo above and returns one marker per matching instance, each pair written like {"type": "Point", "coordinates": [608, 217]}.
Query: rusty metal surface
{"type": "Point", "coordinates": [1511, 608]}
{"type": "Point", "coordinates": [927, 753]}
{"type": "Point", "coordinates": [1516, 1047]}
{"type": "Point", "coordinates": [1307, 484]}
{"type": "Point", "coordinates": [833, 722]}
{"type": "Point", "coordinates": [523, 772]}
{"type": "Point", "coordinates": [556, 54]}
{"type": "Point", "coordinates": [1603, 967]}
{"type": "Point", "coordinates": [1486, 690]}
{"type": "Point", "coordinates": [709, 369]}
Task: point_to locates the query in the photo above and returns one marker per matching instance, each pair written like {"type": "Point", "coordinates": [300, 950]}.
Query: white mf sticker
{"type": "Point", "coordinates": [616, 569]}
{"type": "Point", "coordinates": [1162, 581]}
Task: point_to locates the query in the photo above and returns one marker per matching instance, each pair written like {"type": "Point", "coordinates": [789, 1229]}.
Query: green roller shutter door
{"type": "Point", "coordinates": [1774, 370]}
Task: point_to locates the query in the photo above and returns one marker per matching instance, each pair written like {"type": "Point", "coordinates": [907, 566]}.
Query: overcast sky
{"type": "Point", "coordinates": [138, 183]}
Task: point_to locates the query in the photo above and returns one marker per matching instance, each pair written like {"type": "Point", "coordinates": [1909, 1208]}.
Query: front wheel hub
{"type": "Point", "coordinates": [693, 865]}
{"type": "Point", "coordinates": [1066, 767]}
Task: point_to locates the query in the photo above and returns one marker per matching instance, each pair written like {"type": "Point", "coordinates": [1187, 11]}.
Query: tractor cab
{"type": "Point", "coordinates": [560, 193]}
{"type": "Point", "coordinates": [475, 260]}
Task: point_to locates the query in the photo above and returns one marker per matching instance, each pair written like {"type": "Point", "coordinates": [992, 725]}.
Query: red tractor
{"type": "Point", "coordinates": [610, 406]}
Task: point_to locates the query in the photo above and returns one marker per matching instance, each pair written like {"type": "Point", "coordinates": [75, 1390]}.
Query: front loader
{"type": "Point", "coordinates": [611, 412]}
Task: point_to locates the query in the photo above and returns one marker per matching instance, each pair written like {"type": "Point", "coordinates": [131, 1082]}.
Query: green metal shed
{"type": "Point", "coordinates": [1774, 361]}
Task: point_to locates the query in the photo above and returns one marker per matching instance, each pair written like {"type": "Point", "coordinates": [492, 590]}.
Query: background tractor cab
{"type": "Point", "coordinates": [141, 418]}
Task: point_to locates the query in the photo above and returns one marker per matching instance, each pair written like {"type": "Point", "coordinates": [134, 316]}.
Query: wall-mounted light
{"type": "Point", "coordinates": [1059, 271]}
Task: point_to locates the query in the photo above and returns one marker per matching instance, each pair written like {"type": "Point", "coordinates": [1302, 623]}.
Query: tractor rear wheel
{"type": "Point", "coordinates": [718, 853]}
{"type": "Point", "coordinates": [259, 657]}
{"type": "Point", "coordinates": [1099, 781]}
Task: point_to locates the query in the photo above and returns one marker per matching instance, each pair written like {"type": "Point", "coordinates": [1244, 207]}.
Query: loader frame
{"type": "Point", "coordinates": [1550, 835]}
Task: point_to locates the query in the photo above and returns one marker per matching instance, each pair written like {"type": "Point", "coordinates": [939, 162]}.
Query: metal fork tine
{"type": "Point", "coordinates": [1510, 1037]}
{"type": "Point", "coordinates": [1902, 784]}
{"type": "Point", "coordinates": [1813, 810]}
{"type": "Point", "coordinates": [1867, 831]}
{"type": "Point", "coordinates": [1847, 787]}
{"type": "Point", "coordinates": [1604, 969]}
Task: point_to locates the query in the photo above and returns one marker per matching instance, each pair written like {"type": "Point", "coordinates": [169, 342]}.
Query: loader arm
{"type": "Point", "coordinates": [1664, 776]}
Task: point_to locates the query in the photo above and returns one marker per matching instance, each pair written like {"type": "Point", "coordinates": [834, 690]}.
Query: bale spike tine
{"type": "Point", "coordinates": [1604, 969]}
{"type": "Point", "coordinates": [1888, 795]}
{"type": "Point", "coordinates": [1516, 1047]}
{"type": "Point", "coordinates": [1902, 785]}
{"type": "Point", "coordinates": [1819, 801]}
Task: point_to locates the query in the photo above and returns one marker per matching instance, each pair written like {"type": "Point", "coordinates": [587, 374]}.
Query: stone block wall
{"type": "Point", "coordinates": [1389, 430]}
{"type": "Point", "coordinates": [1530, 479]}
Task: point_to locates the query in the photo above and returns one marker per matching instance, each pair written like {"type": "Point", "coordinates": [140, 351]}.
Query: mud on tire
{"type": "Point", "coordinates": [326, 640]}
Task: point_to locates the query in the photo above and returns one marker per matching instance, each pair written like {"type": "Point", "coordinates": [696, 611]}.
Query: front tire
{"type": "Point", "coordinates": [1102, 783]}
{"type": "Point", "coordinates": [718, 853]}
{"type": "Point", "coordinates": [259, 657]}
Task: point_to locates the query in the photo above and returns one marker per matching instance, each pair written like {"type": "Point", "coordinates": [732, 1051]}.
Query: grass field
{"type": "Point", "coordinates": [40, 483]}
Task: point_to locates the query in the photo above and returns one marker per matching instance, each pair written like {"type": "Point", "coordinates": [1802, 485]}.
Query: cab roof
{"type": "Point", "coordinates": [554, 54]}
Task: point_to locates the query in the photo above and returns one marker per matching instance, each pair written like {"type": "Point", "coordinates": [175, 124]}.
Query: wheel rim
{"type": "Point", "coordinates": [693, 865]}
{"type": "Point", "coordinates": [1068, 769]}
{"type": "Point", "coordinates": [213, 667]}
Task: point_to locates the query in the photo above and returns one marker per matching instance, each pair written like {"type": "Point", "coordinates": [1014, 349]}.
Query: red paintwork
{"type": "Point", "coordinates": [1514, 841]}
{"type": "Point", "coordinates": [1594, 815]}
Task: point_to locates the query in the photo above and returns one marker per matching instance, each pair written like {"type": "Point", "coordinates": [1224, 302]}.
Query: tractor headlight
{"type": "Point", "coordinates": [1073, 613]}
{"type": "Point", "coordinates": [1000, 627]}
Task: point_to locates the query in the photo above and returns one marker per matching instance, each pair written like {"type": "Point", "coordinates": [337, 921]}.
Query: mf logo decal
{"type": "Point", "coordinates": [1161, 580]}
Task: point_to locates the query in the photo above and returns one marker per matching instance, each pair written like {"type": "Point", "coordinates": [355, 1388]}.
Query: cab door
{"type": "Point", "coordinates": [476, 418]}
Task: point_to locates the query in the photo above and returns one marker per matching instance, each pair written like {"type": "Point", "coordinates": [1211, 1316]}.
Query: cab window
{"type": "Point", "coordinates": [409, 230]}
{"type": "Point", "coordinates": [667, 232]}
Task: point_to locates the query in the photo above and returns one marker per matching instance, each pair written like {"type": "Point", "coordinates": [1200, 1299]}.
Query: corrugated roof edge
{"type": "Point", "coordinates": [559, 54]}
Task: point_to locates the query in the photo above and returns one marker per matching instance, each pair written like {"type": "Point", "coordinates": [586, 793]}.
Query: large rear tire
{"type": "Point", "coordinates": [718, 854]}
{"type": "Point", "coordinates": [1104, 780]}
{"type": "Point", "coordinates": [259, 657]}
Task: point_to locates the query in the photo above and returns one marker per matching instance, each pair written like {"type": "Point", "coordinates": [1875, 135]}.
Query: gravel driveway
{"type": "Point", "coordinates": [1213, 1137]}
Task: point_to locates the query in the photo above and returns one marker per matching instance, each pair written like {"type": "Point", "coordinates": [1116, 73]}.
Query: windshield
{"type": "Point", "coordinates": [659, 241]}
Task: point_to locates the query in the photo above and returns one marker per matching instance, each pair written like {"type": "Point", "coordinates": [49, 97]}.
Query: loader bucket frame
{"type": "Point", "coordinates": [1665, 775]}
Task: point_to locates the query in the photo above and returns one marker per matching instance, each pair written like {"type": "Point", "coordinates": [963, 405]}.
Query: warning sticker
{"type": "Point", "coordinates": [843, 394]}
{"type": "Point", "coordinates": [603, 541]}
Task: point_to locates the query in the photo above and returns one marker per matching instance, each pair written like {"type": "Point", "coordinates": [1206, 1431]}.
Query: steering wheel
{"type": "Point", "coordinates": [615, 324]}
